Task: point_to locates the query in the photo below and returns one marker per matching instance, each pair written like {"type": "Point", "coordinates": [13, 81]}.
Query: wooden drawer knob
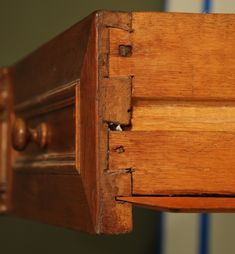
{"type": "Point", "coordinates": [22, 135]}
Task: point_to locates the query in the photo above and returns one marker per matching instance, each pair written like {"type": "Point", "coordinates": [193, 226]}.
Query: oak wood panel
{"type": "Point", "coordinates": [183, 204]}
{"type": "Point", "coordinates": [178, 55]}
{"type": "Point", "coordinates": [171, 162]}
{"type": "Point", "coordinates": [183, 116]}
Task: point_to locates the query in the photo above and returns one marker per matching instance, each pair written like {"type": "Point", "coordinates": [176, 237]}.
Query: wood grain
{"type": "Point", "coordinates": [117, 100]}
{"type": "Point", "coordinates": [52, 191]}
{"type": "Point", "coordinates": [83, 199]}
{"type": "Point", "coordinates": [114, 217]}
{"type": "Point", "coordinates": [171, 162]}
{"type": "Point", "coordinates": [54, 108]}
{"type": "Point", "coordinates": [181, 137]}
{"type": "Point", "coordinates": [54, 199]}
{"type": "Point", "coordinates": [178, 55]}
{"type": "Point", "coordinates": [183, 116]}
{"type": "Point", "coordinates": [176, 83]}
{"type": "Point", "coordinates": [183, 204]}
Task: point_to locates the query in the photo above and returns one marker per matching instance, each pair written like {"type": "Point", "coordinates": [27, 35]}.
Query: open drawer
{"type": "Point", "coordinates": [122, 109]}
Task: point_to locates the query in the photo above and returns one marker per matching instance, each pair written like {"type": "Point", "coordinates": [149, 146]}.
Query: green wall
{"type": "Point", "coordinates": [24, 26]}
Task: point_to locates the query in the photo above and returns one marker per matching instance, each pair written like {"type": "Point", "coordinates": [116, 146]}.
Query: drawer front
{"type": "Point", "coordinates": [59, 111]}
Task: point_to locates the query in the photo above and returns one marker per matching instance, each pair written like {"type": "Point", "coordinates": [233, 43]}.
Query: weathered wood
{"type": "Point", "coordinates": [117, 100]}
{"type": "Point", "coordinates": [177, 55]}
{"type": "Point", "coordinates": [183, 204]}
{"type": "Point", "coordinates": [171, 162]}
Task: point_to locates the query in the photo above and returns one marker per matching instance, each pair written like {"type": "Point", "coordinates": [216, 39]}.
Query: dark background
{"type": "Point", "coordinates": [24, 26]}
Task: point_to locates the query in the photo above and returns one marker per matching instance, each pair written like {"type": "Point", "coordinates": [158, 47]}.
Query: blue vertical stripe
{"type": "Point", "coordinates": [204, 233]}
{"type": "Point", "coordinates": [207, 6]}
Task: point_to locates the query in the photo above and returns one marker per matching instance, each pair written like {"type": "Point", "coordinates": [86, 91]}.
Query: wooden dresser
{"type": "Point", "coordinates": [121, 109]}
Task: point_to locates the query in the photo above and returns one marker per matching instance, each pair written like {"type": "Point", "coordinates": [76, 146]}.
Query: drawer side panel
{"type": "Point", "coordinates": [177, 55]}
{"type": "Point", "coordinates": [176, 162]}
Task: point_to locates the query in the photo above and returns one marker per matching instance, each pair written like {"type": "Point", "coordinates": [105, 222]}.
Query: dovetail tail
{"type": "Point", "coordinates": [125, 50]}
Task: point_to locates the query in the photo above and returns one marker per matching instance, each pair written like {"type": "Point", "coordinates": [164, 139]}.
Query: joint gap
{"type": "Point", "coordinates": [112, 126]}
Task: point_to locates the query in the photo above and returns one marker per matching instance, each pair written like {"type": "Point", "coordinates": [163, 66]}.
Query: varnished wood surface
{"type": "Point", "coordinates": [88, 126]}
{"type": "Point", "coordinates": [77, 123]}
{"type": "Point", "coordinates": [183, 204]}
{"type": "Point", "coordinates": [46, 183]}
{"type": "Point", "coordinates": [56, 109]}
{"type": "Point", "coordinates": [176, 162]}
{"type": "Point", "coordinates": [54, 199]}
